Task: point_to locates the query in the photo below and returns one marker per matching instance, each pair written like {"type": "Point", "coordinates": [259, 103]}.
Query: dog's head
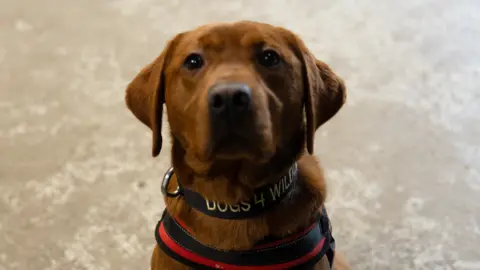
{"type": "Point", "coordinates": [238, 91]}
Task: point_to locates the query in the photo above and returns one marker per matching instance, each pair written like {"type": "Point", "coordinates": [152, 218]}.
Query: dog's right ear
{"type": "Point", "coordinates": [145, 94]}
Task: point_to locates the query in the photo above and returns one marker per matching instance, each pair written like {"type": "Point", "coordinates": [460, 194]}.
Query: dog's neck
{"type": "Point", "coordinates": [233, 181]}
{"type": "Point", "coordinates": [305, 199]}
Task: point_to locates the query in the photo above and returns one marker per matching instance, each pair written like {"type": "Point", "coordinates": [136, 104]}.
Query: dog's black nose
{"type": "Point", "coordinates": [229, 100]}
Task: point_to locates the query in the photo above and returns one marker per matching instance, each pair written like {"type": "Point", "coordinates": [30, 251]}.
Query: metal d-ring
{"type": "Point", "coordinates": [166, 182]}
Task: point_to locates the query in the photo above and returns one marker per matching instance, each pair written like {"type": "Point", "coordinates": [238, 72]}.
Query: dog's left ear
{"type": "Point", "coordinates": [324, 94]}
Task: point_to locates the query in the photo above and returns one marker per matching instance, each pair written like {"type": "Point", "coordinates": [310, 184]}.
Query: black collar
{"type": "Point", "coordinates": [264, 197]}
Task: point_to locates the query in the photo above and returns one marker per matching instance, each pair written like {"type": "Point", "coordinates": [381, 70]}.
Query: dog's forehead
{"type": "Point", "coordinates": [225, 35]}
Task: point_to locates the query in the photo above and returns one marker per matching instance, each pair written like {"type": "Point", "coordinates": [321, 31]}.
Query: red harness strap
{"type": "Point", "coordinates": [299, 251]}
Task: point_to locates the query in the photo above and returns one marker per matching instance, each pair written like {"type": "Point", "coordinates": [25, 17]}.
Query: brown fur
{"type": "Point", "coordinates": [290, 102]}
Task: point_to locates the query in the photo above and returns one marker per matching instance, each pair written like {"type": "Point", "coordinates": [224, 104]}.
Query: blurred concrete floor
{"type": "Point", "coordinates": [79, 189]}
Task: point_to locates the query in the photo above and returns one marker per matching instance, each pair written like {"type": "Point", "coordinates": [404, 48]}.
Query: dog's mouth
{"type": "Point", "coordinates": [239, 146]}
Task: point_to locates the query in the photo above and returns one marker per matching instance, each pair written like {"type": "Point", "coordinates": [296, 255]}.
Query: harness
{"type": "Point", "coordinates": [298, 251]}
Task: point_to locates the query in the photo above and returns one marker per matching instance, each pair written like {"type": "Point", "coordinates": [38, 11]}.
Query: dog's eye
{"type": "Point", "coordinates": [269, 58]}
{"type": "Point", "coordinates": [193, 61]}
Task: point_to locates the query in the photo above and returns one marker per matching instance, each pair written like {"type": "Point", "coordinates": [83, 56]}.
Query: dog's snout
{"type": "Point", "coordinates": [230, 100]}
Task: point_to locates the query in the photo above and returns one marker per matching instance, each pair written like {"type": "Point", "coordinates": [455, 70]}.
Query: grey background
{"type": "Point", "coordinates": [79, 189]}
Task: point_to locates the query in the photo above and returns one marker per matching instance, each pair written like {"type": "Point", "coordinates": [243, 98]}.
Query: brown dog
{"type": "Point", "coordinates": [243, 102]}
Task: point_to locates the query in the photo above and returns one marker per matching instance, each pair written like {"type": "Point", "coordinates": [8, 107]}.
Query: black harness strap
{"type": "Point", "coordinates": [312, 244]}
